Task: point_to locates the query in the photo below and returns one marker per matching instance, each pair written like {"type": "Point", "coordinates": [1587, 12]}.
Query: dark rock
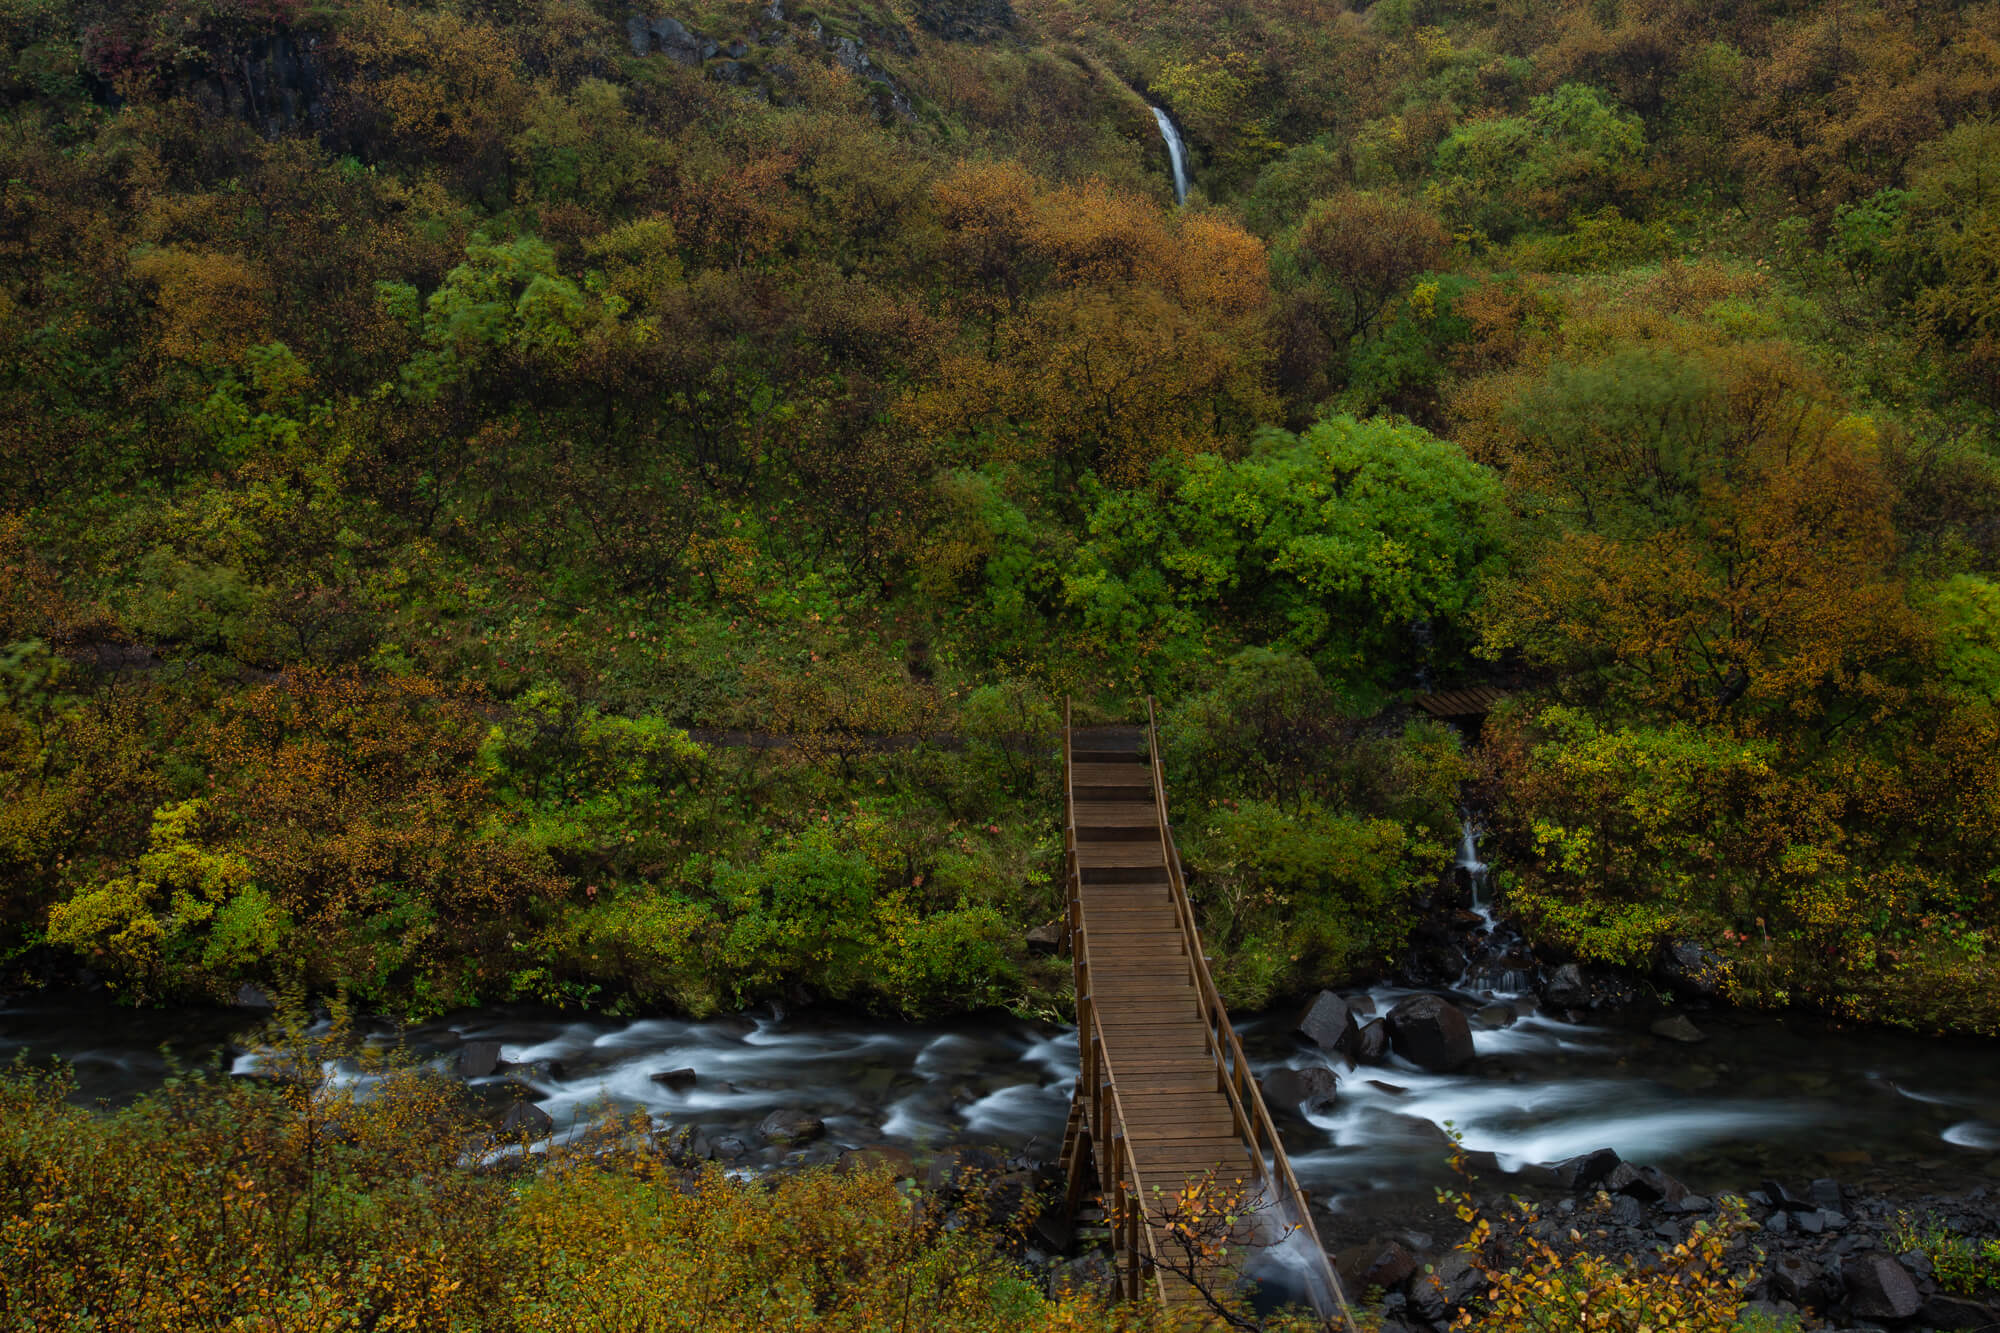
{"type": "Point", "coordinates": [1494, 1016]}
{"type": "Point", "coordinates": [1627, 1211]}
{"type": "Point", "coordinates": [1430, 1033]}
{"type": "Point", "coordinates": [1311, 1090]}
{"type": "Point", "coordinates": [686, 1145]}
{"type": "Point", "coordinates": [1433, 962]}
{"type": "Point", "coordinates": [1955, 1312]}
{"type": "Point", "coordinates": [788, 1126]}
{"type": "Point", "coordinates": [1328, 1023]}
{"type": "Point", "coordinates": [1879, 1288]}
{"type": "Point", "coordinates": [1692, 1203]}
{"type": "Point", "coordinates": [1371, 1043]}
{"type": "Point", "coordinates": [1799, 1280]}
{"type": "Point", "coordinates": [1677, 1028]}
{"type": "Point", "coordinates": [879, 1157]}
{"type": "Point", "coordinates": [1812, 1221]}
{"type": "Point", "coordinates": [1691, 971]}
{"type": "Point", "coordinates": [1585, 1171]}
{"type": "Point", "coordinates": [1777, 1196]}
{"type": "Point", "coordinates": [254, 998]}
{"type": "Point", "coordinates": [1048, 939]}
{"type": "Point", "coordinates": [729, 71]}
{"type": "Point", "coordinates": [1623, 1178]}
{"type": "Point", "coordinates": [525, 1119]}
{"type": "Point", "coordinates": [1656, 1186]}
{"type": "Point", "coordinates": [956, 1170]}
{"type": "Point", "coordinates": [1383, 1264]}
{"type": "Point", "coordinates": [1389, 1088]}
{"type": "Point", "coordinates": [669, 37]}
{"type": "Point", "coordinates": [1778, 1223]}
{"type": "Point", "coordinates": [535, 1071]}
{"type": "Point", "coordinates": [729, 1148]}
{"type": "Point", "coordinates": [680, 1080]}
{"type": "Point", "coordinates": [479, 1059]}
{"type": "Point", "coordinates": [1444, 1286]}
{"type": "Point", "coordinates": [1826, 1194]}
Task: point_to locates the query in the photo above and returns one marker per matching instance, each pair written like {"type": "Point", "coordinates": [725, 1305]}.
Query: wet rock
{"type": "Point", "coordinates": [527, 1120]}
{"type": "Point", "coordinates": [1328, 1023]}
{"type": "Point", "coordinates": [1826, 1194]}
{"type": "Point", "coordinates": [788, 1126]}
{"type": "Point", "coordinates": [479, 1059]}
{"type": "Point", "coordinates": [254, 998]}
{"type": "Point", "coordinates": [1494, 1016]}
{"type": "Point", "coordinates": [1565, 988]}
{"type": "Point", "coordinates": [1384, 1264]}
{"type": "Point", "coordinates": [1691, 971]}
{"type": "Point", "coordinates": [1445, 1286]}
{"type": "Point", "coordinates": [1776, 1195]}
{"type": "Point", "coordinates": [686, 1145]}
{"type": "Point", "coordinates": [1587, 1169]}
{"type": "Point", "coordinates": [956, 1170]}
{"type": "Point", "coordinates": [1311, 1090]}
{"type": "Point", "coordinates": [1879, 1288]}
{"type": "Point", "coordinates": [1371, 1043]}
{"type": "Point", "coordinates": [729, 1148]}
{"type": "Point", "coordinates": [1434, 962]}
{"type": "Point", "coordinates": [1677, 1028]}
{"type": "Point", "coordinates": [1627, 1211]}
{"type": "Point", "coordinates": [1048, 939]}
{"type": "Point", "coordinates": [1430, 1033]}
{"type": "Point", "coordinates": [680, 1080]}
{"type": "Point", "coordinates": [1623, 1178]}
{"type": "Point", "coordinates": [534, 1071]}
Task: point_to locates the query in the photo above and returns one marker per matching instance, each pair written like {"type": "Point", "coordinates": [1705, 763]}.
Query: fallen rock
{"type": "Point", "coordinates": [1678, 1028]}
{"type": "Point", "coordinates": [1656, 1186]}
{"type": "Point", "coordinates": [1430, 1033]}
{"type": "Point", "coordinates": [527, 1120]}
{"type": "Point", "coordinates": [1311, 1090]}
{"type": "Point", "coordinates": [1879, 1288]}
{"type": "Point", "coordinates": [788, 1126]}
{"type": "Point", "coordinates": [1371, 1043]}
{"type": "Point", "coordinates": [680, 1080]}
{"type": "Point", "coordinates": [1801, 1281]}
{"type": "Point", "coordinates": [479, 1059]}
{"type": "Point", "coordinates": [1328, 1023]}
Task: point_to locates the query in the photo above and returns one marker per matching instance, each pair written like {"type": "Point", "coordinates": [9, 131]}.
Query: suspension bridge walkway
{"type": "Point", "coordinates": [1165, 1096]}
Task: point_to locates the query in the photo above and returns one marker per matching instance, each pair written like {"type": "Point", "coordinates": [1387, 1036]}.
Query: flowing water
{"type": "Point", "coordinates": [1177, 151]}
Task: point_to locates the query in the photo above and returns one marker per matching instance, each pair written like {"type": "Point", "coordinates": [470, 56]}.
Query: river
{"type": "Point", "coordinates": [1762, 1096]}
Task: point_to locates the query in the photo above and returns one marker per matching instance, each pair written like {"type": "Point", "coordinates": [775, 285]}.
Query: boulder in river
{"type": "Point", "coordinates": [1311, 1090]}
{"type": "Point", "coordinates": [1371, 1043]}
{"type": "Point", "coordinates": [1430, 1032]}
{"type": "Point", "coordinates": [1879, 1288]}
{"type": "Point", "coordinates": [1586, 1170]}
{"type": "Point", "coordinates": [788, 1126]}
{"type": "Point", "coordinates": [479, 1059]}
{"type": "Point", "coordinates": [1328, 1023]}
{"type": "Point", "coordinates": [527, 1120]}
{"type": "Point", "coordinates": [1676, 1027]}
{"type": "Point", "coordinates": [680, 1080]}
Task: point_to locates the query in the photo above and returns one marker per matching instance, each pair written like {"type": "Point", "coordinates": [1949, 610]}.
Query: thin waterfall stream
{"type": "Point", "coordinates": [1176, 151]}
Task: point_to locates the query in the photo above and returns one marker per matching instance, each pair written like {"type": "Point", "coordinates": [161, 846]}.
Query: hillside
{"type": "Point", "coordinates": [526, 499]}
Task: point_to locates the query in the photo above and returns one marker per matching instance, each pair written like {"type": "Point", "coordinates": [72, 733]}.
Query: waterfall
{"type": "Point", "coordinates": [1175, 150]}
{"type": "Point", "coordinates": [1469, 862]}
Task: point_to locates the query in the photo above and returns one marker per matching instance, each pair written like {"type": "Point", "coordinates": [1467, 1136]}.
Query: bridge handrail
{"type": "Point", "coordinates": [1246, 1099]}
{"type": "Point", "coordinates": [1127, 1206]}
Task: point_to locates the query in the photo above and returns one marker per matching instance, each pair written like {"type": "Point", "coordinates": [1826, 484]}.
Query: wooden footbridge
{"type": "Point", "coordinates": [1165, 1096]}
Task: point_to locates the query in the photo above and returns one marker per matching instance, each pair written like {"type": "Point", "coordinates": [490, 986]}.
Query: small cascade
{"type": "Point", "coordinates": [1469, 862]}
{"type": "Point", "coordinates": [1175, 150]}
